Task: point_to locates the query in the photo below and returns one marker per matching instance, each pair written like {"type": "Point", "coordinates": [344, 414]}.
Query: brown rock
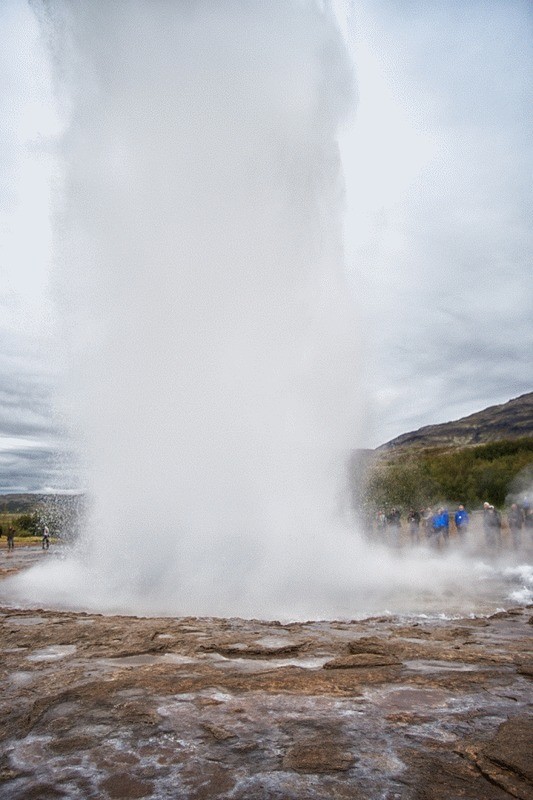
{"type": "Point", "coordinates": [253, 649]}
{"type": "Point", "coordinates": [449, 634]}
{"type": "Point", "coordinates": [512, 747]}
{"type": "Point", "coordinates": [70, 744]}
{"type": "Point", "coordinates": [122, 786]}
{"type": "Point", "coordinates": [506, 761]}
{"type": "Point", "coordinates": [317, 756]}
{"type": "Point", "coordinates": [361, 660]}
{"type": "Point", "coordinates": [218, 732]}
{"type": "Point", "coordinates": [369, 644]}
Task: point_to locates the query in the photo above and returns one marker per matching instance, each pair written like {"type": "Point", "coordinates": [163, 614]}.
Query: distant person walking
{"type": "Point", "coordinates": [462, 521]}
{"type": "Point", "coordinates": [11, 538]}
{"type": "Point", "coordinates": [515, 520]}
{"type": "Point", "coordinates": [46, 538]}
{"type": "Point", "coordinates": [492, 525]}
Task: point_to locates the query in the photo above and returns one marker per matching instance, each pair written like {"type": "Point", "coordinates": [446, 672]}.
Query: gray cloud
{"type": "Point", "coordinates": [34, 446]}
{"type": "Point", "coordinates": [35, 471]}
{"type": "Point", "coordinates": [445, 280]}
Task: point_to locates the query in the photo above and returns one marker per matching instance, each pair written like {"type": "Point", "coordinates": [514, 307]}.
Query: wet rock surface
{"type": "Point", "coordinates": [122, 707]}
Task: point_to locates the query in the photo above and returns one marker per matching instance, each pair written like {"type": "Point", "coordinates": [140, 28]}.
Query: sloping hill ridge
{"type": "Point", "coordinates": [511, 420]}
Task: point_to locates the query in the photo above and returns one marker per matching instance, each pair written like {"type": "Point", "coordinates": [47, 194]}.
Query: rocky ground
{"type": "Point", "coordinates": [122, 707]}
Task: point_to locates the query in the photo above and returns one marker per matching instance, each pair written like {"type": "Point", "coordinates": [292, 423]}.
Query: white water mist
{"type": "Point", "coordinates": [210, 337]}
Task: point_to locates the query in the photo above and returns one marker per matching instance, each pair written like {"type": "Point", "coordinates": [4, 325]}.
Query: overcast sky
{"type": "Point", "coordinates": [439, 222]}
{"type": "Point", "coordinates": [437, 162]}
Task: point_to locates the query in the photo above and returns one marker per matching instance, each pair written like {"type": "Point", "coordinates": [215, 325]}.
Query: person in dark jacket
{"type": "Point", "coordinates": [11, 538]}
{"type": "Point", "coordinates": [492, 526]}
{"type": "Point", "coordinates": [427, 519]}
{"type": "Point", "coordinates": [445, 525]}
{"type": "Point", "coordinates": [394, 524]}
{"type": "Point", "coordinates": [515, 520]}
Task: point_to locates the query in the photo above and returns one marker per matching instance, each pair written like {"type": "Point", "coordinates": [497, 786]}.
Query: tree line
{"type": "Point", "coordinates": [61, 514]}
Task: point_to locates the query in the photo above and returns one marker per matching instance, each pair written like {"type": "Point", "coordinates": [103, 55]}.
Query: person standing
{"type": "Point", "coordinates": [46, 538]}
{"type": "Point", "coordinates": [492, 526]}
{"type": "Point", "coordinates": [438, 525]}
{"type": "Point", "coordinates": [515, 520]}
{"type": "Point", "coordinates": [11, 538]}
{"type": "Point", "coordinates": [461, 520]}
{"type": "Point", "coordinates": [427, 519]}
{"type": "Point", "coordinates": [528, 521]}
{"type": "Point", "coordinates": [381, 524]}
{"type": "Point", "coordinates": [394, 524]}
{"type": "Point", "coordinates": [445, 525]}
{"type": "Point", "coordinates": [413, 518]}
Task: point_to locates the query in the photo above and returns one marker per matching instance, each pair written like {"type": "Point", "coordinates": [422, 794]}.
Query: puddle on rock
{"type": "Point", "coordinates": [246, 664]}
{"type": "Point", "coordinates": [274, 642]}
{"type": "Point", "coordinates": [146, 659]}
{"type": "Point", "coordinates": [22, 621]}
{"type": "Point", "coordinates": [52, 653]}
{"type": "Point", "coordinates": [422, 665]}
{"type": "Point", "coordinates": [263, 664]}
{"type": "Point", "coordinates": [409, 699]}
{"type": "Point", "coordinates": [21, 678]}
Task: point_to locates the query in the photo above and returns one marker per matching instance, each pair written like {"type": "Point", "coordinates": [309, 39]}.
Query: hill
{"type": "Point", "coordinates": [511, 420]}
{"type": "Point", "coordinates": [18, 503]}
{"type": "Point", "coordinates": [488, 454]}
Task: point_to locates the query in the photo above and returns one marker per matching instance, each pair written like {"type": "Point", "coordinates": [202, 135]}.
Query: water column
{"type": "Point", "coordinates": [211, 354]}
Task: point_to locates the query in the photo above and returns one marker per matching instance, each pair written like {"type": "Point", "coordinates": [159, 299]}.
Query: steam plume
{"type": "Point", "coordinates": [200, 282]}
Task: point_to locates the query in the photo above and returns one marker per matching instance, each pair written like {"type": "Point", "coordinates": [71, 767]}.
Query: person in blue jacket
{"type": "Point", "coordinates": [461, 520]}
{"type": "Point", "coordinates": [445, 525]}
{"type": "Point", "coordinates": [439, 526]}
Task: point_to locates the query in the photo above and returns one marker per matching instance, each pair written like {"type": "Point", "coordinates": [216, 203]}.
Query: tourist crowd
{"type": "Point", "coordinates": [434, 525]}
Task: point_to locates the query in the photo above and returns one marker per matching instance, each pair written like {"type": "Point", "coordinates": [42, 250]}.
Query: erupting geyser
{"type": "Point", "coordinates": [210, 336]}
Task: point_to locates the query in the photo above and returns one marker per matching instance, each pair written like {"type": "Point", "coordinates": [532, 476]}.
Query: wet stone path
{"type": "Point", "coordinates": [122, 707]}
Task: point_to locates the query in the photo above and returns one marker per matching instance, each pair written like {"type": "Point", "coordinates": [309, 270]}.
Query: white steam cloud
{"type": "Point", "coordinates": [210, 336]}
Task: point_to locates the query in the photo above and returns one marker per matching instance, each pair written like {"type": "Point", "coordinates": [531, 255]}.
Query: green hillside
{"type": "Point", "coordinates": [484, 456]}
{"type": "Point", "coordinates": [416, 478]}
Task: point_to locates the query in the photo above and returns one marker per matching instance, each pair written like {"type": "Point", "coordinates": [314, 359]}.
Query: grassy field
{"type": "Point", "coordinates": [22, 540]}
